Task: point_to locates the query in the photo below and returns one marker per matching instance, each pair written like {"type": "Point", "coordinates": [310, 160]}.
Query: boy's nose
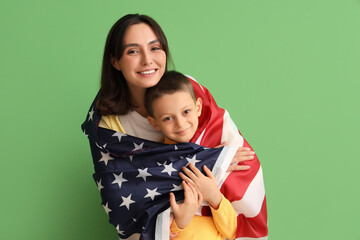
{"type": "Point", "coordinates": [180, 122]}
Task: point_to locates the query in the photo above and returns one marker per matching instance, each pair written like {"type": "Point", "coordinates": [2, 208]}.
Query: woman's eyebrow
{"type": "Point", "coordinates": [154, 41]}
{"type": "Point", "coordinates": [137, 45]}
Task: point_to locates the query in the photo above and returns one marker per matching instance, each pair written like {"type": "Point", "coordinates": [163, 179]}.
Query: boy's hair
{"type": "Point", "coordinates": [170, 82]}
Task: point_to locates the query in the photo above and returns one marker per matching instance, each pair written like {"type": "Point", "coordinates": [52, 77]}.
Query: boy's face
{"type": "Point", "coordinates": [176, 115]}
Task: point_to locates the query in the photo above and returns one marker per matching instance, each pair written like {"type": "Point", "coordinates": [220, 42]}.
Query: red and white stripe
{"type": "Point", "coordinates": [244, 189]}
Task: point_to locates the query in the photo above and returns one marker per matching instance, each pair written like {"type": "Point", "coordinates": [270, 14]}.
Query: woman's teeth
{"type": "Point", "coordinates": [148, 72]}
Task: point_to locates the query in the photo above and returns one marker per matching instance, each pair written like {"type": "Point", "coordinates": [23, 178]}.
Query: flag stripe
{"type": "Point", "coordinates": [250, 204]}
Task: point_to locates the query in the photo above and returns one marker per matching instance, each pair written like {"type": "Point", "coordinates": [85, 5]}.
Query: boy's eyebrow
{"type": "Point", "coordinates": [136, 44]}
{"type": "Point", "coordinates": [188, 106]}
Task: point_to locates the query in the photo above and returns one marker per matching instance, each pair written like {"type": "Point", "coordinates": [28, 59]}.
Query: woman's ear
{"type": "Point", "coordinates": [198, 106]}
{"type": "Point", "coordinates": [115, 63]}
{"type": "Point", "coordinates": [152, 122]}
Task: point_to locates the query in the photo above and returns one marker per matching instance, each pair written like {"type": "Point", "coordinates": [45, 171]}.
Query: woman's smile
{"type": "Point", "coordinates": [148, 73]}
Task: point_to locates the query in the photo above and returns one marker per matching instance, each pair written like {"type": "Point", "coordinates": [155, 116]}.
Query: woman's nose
{"type": "Point", "coordinates": [146, 58]}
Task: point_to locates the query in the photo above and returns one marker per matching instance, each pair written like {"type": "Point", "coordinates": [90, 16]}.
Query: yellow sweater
{"type": "Point", "coordinates": [221, 224]}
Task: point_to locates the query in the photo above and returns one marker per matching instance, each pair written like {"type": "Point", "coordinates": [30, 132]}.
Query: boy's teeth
{"type": "Point", "coordinates": [148, 72]}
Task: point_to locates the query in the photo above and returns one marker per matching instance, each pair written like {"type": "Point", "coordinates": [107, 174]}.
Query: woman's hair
{"type": "Point", "coordinates": [170, 83]}
{"type": "Point", "coordinates": [114, 95]}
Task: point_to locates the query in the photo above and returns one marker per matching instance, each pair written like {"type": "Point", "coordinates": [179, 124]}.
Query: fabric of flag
{"type": "Point", "coordinates": [135, 176]}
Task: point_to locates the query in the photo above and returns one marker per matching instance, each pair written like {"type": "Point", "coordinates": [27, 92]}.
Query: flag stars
{"type": "Point", "coordinates": [138, 147]}
{"type": "Point", "coordinates": [151, 193]}
{"type": "Point", "coordinates": [119, 135]}
{"type": "Point", "coordinates": [177, 187]}
{"type": "Point", "coordinates": [99, 185]}
{"type": "Point", "coordinates": [91, 114]}
{"type": "Point", "coordinates": [119, 231]}
{"type": "Point", "coordinates": [169, 169]}
{"type": "Point", "coordinates": [106, 208]}
{"type": "Point", "coordinates": [119, 179]}
{"type": "Point", "coordinates": [105, 157]}
{"type": "Point", "coordinates": [193, 160]}
{"type": "Point", "coordinates": [143, 173]}
{"type": "Point", "coordinates": [126, 202]}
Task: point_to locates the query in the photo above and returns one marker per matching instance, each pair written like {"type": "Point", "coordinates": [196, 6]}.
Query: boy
{"type": "Point", "coordinates": [174, 110]}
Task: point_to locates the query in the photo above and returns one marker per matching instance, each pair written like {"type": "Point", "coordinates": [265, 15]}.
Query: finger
{"type": "Point", "coordinates": [193, 189]}
{"type": "Point", "coordinates": [195, 170]}
{"type": "Point", "coordinates": [200, 197]}
{"type": "Point", "coordinates": [188, 192]}
{"type": "Point", "coordinates": [221, 145]}
{"type": "Point", "coordinates": [185, 178]}
{"type": "Point", "coordinates": [208, 172]}
{"type": "Point", "coordinates": [244, 152]}
{"type": "Point", "coordinates": [173, 204]}
{"type": "Point", "coordinates": [189, 173]}
{"type": "Point", "coordinates": [197, 194]}
{"type": "Point", "coordinates": [237, 168]}
{"type": "Point", "coordinates": [247, 153]}
{"type": "Point", "coordinates": [244, 149]}
{"type": "Point", "coordinates": [235, 160]}
{"type": "Point", "coordinates": [245, 158]}
{"type": "Point", "coordinates": [238, 157]}
{"type": "Point", "coordinates": [241, 159]}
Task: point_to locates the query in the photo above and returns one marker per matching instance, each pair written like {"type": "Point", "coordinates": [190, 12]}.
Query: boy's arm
{"type": "Point", "coordinates": [225, 219]}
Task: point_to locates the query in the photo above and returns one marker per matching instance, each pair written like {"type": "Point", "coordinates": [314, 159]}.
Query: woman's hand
{"type": "Point", "coordinates": [205, 184]}
{"type": "Point", "coordinates": [242, 154]}
{"type": "Point", "coordinates": [185, 212]}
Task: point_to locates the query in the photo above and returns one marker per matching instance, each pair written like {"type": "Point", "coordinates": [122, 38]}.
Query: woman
{"type": "Point", "coordinates": [135, 58]}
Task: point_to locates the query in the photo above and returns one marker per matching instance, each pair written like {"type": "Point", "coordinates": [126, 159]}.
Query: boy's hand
{"type": "Point", "coordinates": [205, 184]}
{"type": "Point", "coordinates": [185, 212]}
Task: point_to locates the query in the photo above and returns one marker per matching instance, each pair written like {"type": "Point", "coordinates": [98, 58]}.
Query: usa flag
{"type": "Point", "coordinates": [135, 176]}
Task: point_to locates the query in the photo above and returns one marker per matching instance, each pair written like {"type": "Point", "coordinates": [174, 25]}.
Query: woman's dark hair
{"type": "Point", "coordinates": [171, 82]}
{"type": "Point", "coordinates": [114, 95]}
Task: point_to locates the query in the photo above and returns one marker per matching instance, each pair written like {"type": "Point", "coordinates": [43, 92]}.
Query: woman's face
{"type": "Point", "coordinates": [143, 61]}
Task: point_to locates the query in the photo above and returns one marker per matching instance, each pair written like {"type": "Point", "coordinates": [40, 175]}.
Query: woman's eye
{"type": "Point", "coordinates": [155, 48]}
{"type": "Point", "coordinates": [187, 111]}
{"type": "Point", "coordinates": [133, 51]}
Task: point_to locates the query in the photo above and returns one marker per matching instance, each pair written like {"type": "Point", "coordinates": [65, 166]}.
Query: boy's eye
{"type": "Point", "coordinates": [167, 119]}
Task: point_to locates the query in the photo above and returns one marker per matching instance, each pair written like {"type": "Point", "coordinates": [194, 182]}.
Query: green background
{"type": "Point", "coordinates": [287, 71]}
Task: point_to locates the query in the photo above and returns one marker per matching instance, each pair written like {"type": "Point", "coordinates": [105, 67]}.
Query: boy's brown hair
{"type": "Point", "coordinates": [171, 81]}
